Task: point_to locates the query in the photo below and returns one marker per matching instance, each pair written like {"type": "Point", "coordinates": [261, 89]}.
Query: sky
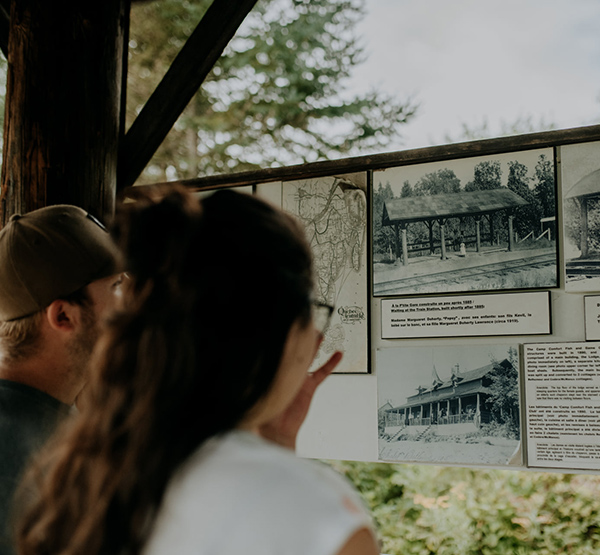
{"type": "Point", "coordinates": [468, 61]}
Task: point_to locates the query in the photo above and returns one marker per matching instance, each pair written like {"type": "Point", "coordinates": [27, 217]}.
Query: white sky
{"type": "Point", "coordinates": [465, 61]}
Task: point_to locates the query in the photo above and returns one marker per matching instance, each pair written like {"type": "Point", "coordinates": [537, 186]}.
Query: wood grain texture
{"type": "Point", "coordinates": [62, 105]}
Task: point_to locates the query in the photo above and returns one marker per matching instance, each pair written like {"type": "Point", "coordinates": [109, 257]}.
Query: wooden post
{"type": "Point", "coordinates": [584, 243]}
{"type": "Point", "coordinates": [511, 239]}
{"type": "Point", "coordinates": [478, 231]}
{"type": "Point", "coordinates": [63, 98]}
{"type": "Point", "coordinates": [404, 246]}
{"type": "Point", "coordinates": [431, 246]}
{"type": "Point", "coordinates": [397, 235]}
{"type": "Point", "coordinates": [443, 238]}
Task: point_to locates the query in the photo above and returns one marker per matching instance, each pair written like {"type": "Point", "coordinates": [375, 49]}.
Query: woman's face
{"type": "Point", "coordinates": [298, 353]}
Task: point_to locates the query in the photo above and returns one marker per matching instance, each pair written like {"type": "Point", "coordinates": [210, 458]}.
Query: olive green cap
{"type": "Point", "coordinates": [50, 253]}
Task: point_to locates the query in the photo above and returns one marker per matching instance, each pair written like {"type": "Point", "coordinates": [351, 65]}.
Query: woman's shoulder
{"type": "Point", "coordinates": [273, 497]}
{"type": "Point", "coordinates": [243, 457]}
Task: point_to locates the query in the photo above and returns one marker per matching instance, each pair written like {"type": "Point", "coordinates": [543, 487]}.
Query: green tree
{"type": "Point", "coordinates": [527, 217]}
{"type": "Point", "coordinates": [277, 95]}
{"type": "Point", "coordinates": [544, 187]}
{"type": "Point", "coordinates": [486, 175]}
{"type": "Point", "coordinates": [437, 183]}
{"type": "Point", "coordinates": [383, 236]}
{"type": "Point", "coordinates": [407, 190]}
{"type": "Point", "coordinates": [503, 400]}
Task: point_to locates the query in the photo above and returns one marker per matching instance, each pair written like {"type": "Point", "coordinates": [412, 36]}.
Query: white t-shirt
{"type": "Point", "coordinates": [242, 495]}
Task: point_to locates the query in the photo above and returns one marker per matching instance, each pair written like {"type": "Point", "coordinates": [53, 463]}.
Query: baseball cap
{"type": "Point", "coordinates": [49, 253]}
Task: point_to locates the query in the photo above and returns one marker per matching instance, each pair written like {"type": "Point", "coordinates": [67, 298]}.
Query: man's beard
{"type": "Point", "coordinates": [82, 345]}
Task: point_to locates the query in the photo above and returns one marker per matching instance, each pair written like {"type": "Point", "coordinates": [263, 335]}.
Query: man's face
{"type": "Point", "coordinates": [104, 295]}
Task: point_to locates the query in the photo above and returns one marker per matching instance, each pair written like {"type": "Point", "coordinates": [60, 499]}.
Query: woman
{"type": "Point", "coordinates": [210, 352]}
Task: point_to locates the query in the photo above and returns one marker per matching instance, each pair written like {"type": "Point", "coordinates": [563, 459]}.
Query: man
{"type": "Point", "coordinates": [57, 283]}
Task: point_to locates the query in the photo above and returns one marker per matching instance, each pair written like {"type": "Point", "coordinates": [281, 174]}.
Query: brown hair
{"type": "Point", "coordinates": [216, 288]}
{"type": "Point", "coordinates": [19, 337]}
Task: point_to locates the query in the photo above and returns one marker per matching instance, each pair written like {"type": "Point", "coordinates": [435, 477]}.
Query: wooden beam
{"type": "Point", "coordinates": [183, 79]}
{"type": "Point", "coordinates": [454, 151]}
{"type": "Point", "coordinates": [62, 106]}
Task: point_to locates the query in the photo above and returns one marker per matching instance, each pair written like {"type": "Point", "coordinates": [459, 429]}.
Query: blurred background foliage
{"type": "Point", "coordinates": [426, 510]}
{"type": "Point", "coordinates": [276, 97]}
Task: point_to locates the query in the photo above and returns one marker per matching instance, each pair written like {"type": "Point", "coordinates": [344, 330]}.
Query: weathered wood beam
{"type": "Point", "coordinates": [62, 105]}
{"type": "Point", "coordinates": [187, 72]}
{"type": "Point", "coordinates": [484, 147]}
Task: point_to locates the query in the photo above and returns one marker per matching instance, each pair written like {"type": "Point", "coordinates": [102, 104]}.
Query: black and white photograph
{"type": "Point", "coordinates": [449, 405]}
{"type": "Point", "coordinates": [485, 223]}
{"type": "Point", "coordinates": [580, 173]}
{"type": "Point", "coordinates": [591, 309]}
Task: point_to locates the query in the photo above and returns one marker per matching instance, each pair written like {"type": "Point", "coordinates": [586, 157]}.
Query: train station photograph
{"type": "Point", "coordinates": [473, 224]}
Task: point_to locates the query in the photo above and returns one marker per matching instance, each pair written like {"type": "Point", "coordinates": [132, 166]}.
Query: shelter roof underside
{"type": "Point", "coordinates": [472, 203]}
{"type": "Point", "coordinates": [587, 186]}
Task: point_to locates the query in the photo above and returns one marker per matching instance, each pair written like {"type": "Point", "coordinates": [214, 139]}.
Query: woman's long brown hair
{"type": "Point", "coordinates": [216, 287]}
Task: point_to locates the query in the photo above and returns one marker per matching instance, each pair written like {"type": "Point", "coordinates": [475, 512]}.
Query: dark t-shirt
{"type": "Point", "coordinates": [27, 419]}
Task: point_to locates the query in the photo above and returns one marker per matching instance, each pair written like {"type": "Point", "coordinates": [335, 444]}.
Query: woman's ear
{"type": "Point", "coordinates": [63, 316]}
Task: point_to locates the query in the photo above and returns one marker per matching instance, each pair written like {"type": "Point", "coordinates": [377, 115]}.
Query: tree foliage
{"type": "Point", "coordinates": [437, 183]}
{"type": "Point", "coordinates": [277, 95]}
{"type": "Point", "coordinates": [527, 217]}
{"type": "Point", "coordinates": [544, 188]}
{"type": "Point", "coordinates": [503, 400]}
{"type": "Point", "coordinates": [407, 190]}
{"type": "Point", "coordinates": [383, 237]}
{"type": "Point", "coordinates": [487, 175]}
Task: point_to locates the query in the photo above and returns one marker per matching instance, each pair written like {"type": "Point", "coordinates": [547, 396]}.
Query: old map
{"type": "Point", "coordinates": [334, 213]}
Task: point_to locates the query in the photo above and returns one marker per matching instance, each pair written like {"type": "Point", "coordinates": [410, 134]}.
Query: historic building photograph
{"type": "Point", "coordinates": [451, 404]}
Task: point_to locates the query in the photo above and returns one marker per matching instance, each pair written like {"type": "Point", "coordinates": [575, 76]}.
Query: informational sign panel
{"type": "Point", "coordinates": [562, 386]}
{"type": "Point", "coordinates": [466, 315]}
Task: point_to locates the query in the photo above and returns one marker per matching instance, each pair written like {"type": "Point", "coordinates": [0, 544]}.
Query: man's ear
{"type": "Point", "coordinates": [63, 316]}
